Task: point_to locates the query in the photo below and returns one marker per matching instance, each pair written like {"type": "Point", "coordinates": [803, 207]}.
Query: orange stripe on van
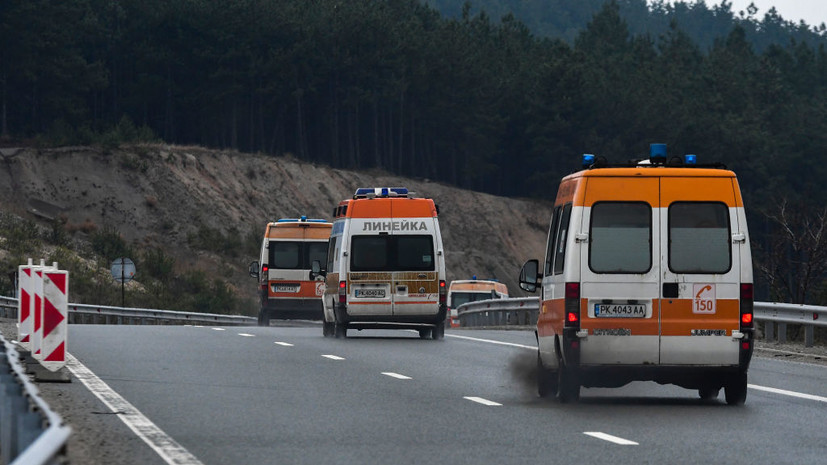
{"type": "Point", "coordinates": [682, 321]}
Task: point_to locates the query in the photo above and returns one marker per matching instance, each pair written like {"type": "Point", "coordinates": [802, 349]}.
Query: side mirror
{"type": "Point", "coordinates": [316, 270]}
{"type": "Point", "coordinates": [529, 275]}
{"type": "Point", "coordinates": [254, 267]}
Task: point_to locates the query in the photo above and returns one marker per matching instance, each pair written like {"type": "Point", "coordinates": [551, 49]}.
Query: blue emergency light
{"type": "Point", "coordinates": [588, 160]}
{"type": "Point", "coordinates": [690, 159]}
{"type": "Point", "coordinates": [657, 153]}
{"type": "Point", "coordinates": [303, 219]}
{"type": "Point", "coordinates": [381, 191]}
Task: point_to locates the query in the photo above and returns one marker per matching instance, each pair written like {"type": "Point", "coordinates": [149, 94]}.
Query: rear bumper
{"type": "Point", "coordinates": [294, 309]}
{"type": "Point", "coordinates": [388, 321]}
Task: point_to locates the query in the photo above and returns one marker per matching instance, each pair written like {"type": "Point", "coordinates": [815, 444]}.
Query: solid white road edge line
{"type": "Point", "coordinates": [610, 438]}
{"type": "Point", "coordinates": [169, 450]}
{"type": "Point", "coordinates": [493, 342]}
{"type": "Point", "coordinates": [285, 344]}
{"type": "Point", "coordinates": [333, 357]}
{"type": "Point", "coordinates": [395, 375]}
{"type": "Point", "coordinates": [482, 401]}
{"type": "Point", "coordinates": [784, 392]}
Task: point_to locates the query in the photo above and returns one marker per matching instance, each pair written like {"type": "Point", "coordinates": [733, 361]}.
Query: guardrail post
{"type": "Point", "coordinates": [808, 335]}
{"type": "Point", "coordinates": [769, 331]}
{"type": "Point", "coordinates": [29, 427]}
{"type": "Point", "coordinates": [782, 333]}
{"type": "Point", "coordinates": [12, 404]}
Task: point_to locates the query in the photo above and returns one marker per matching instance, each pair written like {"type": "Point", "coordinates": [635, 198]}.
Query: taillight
{"type": "Point", "coordinates": [572, 305]}
{"type": "Point", "coordinates": [443, 292]}
{"type": "Point", "coordinates": [746, 306]}
{"type": "Point", "coordinates": [342, 292]}
{"type": "Point", "coordinates": [264, 268]}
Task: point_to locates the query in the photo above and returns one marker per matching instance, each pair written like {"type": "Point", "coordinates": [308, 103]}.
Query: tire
{"type": "Point", "coordinates": [546, 379]}
{"type": "Point", "coordinates": [735, 390]}
{"type": "Point", "coordinates": [425, 333]}
{"type": "Point", "coordinates": [340, 331]}
{"type": "Point", "coordinates": [438, 332]}
{"type": "Point", "coordinates": [709, 393]}
{"type": "Point", "coordinates": [263, 318]}
{"type": "Point", "coordinates": [568, 384]}
{"type": "Point", "coordinates": [328, 329]}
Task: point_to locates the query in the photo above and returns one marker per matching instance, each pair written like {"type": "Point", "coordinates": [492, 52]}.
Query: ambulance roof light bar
{"type": "Point", "coordinates": [303, 219]}
{"type": "Point", "coordinates": [382, 192]}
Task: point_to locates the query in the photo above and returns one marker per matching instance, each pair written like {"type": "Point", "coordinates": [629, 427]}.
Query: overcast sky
{"type": "Point", "coordinates": [813, 12]}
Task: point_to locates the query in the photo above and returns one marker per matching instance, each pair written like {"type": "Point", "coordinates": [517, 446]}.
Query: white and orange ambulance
{"type": "Point", "coordinates": [471, 290]}
{"type": "Point", "coordinates": [647, 276]}
{"type": "Point", "coordinates": [289, 247]}
{"type": "Point", "coordinates": [386, 265]}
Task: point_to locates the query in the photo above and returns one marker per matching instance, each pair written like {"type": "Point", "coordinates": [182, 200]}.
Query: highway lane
{"type": "Point", "coordinates": [288, 395]}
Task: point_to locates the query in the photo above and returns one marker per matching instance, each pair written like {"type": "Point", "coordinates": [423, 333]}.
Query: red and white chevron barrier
{"type": "Point", "coordinates": [55, 318]}
{"type": "Point", "coordinates": [25, 320]}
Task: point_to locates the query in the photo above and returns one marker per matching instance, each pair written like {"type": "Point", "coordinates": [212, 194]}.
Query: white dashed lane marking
{"type": "Point", "coordinates": [246, 335]}
{"type": "Point", "coordinates": [333, 357]}
{"type": "Point", "coordinates": [218, 329]}
{"type": "Point", "coordinates": [482, 401]}
{"type": "Point", "coordinates": [610, 438]}
{"type": "Point", "coordinates": [395, 375]}
{"type": "Point", "coordinates": [285, 344]}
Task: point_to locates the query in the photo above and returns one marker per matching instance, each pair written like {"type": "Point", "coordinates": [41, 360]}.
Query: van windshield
{"type": "Point", "coordinates": [296, 255]}
{"type": "Point", "coordinates": [699, 238]}
{"type": "Point", "coordinates": [459, 298]}
{"type": "Point", "coordinates": [620, 239]}
{"type": "Point", "coordinates": [392, 253]}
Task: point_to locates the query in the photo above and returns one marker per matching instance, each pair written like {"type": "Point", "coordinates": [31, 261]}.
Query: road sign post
{"type": "Point", "coordinates": [123, 270]}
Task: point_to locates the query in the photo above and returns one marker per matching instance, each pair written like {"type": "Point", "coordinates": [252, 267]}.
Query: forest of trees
{"type": "Point", "coordinates": [476, 102]}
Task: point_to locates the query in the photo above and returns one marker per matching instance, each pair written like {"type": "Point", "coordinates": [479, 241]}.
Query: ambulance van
{"type": "Point", "coordinates": [647, 276]}
{"type": "Point", "coordinates": [286, 289]}
{"type": "Point", "coordinates": [471, 290]}
{"type": "Point", "coordinates": [385, 267]}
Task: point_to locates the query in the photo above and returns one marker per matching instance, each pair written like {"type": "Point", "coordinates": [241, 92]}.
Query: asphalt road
{"type": "Point", "coordinates": [287, 395]}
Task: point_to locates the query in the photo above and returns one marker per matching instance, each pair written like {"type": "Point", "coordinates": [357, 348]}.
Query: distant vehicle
{"type": "Point", "coordinates": [386, 266]}
{"type": "Point", "coordinates": [471, 290]}
{"type": "Point", "coordinates": [647, 276]}
{"type": "Point", "coordinates": [289, 247]}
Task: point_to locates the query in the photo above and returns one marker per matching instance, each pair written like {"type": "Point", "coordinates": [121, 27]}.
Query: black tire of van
{"type": "Point", "coordinates": [735, 390]}
{"type": "Point", "coordinates": [546, 379]}
{"type": "Point", "coordinates": [263, 317]}
{"type": "Point", "coordinates": [340, 330]}
{"type": "Point", "coordinates": [438, 333]}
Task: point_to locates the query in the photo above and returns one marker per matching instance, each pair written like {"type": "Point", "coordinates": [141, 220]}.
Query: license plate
{"type": "Point", "coordinates": [370, 293]}
{"type": "Point", "coordinates": [284, 288]}
{"type": "Point", "coordinates": [619, 310]}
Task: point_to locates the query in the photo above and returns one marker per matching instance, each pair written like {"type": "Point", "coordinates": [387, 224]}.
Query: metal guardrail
{"type": "Point", "coordinates": [101, 314]}
{"type": "Point", "coordinates": [30, 432]}
{"type": "Point", "coordinates": [524, 311]}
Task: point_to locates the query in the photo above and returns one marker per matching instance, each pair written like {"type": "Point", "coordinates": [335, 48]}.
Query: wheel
{"type": "Point", "coordinates": [568, 384]}
{"type": "Point", "coordinates": [340, 330]}
{"type": "Point", "coordinates": [438, 332]}
{"type": "Point", "coordinates": [328, 329]}
{"type": "Point", "coordinates": [263, 318]}
{"type": "Point", "coordinates": [709, 393]}
{"type": "Point", "coordinates": [735, 390]}
{"type": "Point", "coordinates": [425, 333]}
{"type": "Point", "coordinates": [546, 379]}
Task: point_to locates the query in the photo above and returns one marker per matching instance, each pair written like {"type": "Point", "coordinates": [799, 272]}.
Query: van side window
{"type": "Point", "coordinates": [620, 237]}
{"type": "Point", "coordinates": [552, 236]}
{"type": "Point", "coordinates": [562, 234]}
{"type": "Point", "coordinates": [699, 237]}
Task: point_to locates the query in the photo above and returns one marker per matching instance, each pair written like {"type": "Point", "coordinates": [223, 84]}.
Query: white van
{"type": "Point", "coordinates": [385, 265]}
{"type": "Point", "coordinates": [286, 289]}
{"type": "Point", "coordinates": [462, 291]}
{"type": "Point", "coordinates": [647, 276]}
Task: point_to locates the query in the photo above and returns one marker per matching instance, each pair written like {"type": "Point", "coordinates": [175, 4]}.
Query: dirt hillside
{"type": "Point", "coordinates": [160, 195]}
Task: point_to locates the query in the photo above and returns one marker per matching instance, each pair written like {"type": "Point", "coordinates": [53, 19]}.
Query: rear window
{"type": "Point", "coordinates": [296, 255]}
{"type": "Point", "coordinates": [620, 239]}
{"type": "Point", "coordinates": [699, 237]}
{"type": "Point", "coordinates": [392, 253]}
{"type": "Point", "coordinates": [459, 298]}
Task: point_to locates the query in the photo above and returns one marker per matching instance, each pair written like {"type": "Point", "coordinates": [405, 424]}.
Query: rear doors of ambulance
{"type": "Point", "coordinates": [393, 259]}
{"type": "Point", "coordinates": [660, 277]}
